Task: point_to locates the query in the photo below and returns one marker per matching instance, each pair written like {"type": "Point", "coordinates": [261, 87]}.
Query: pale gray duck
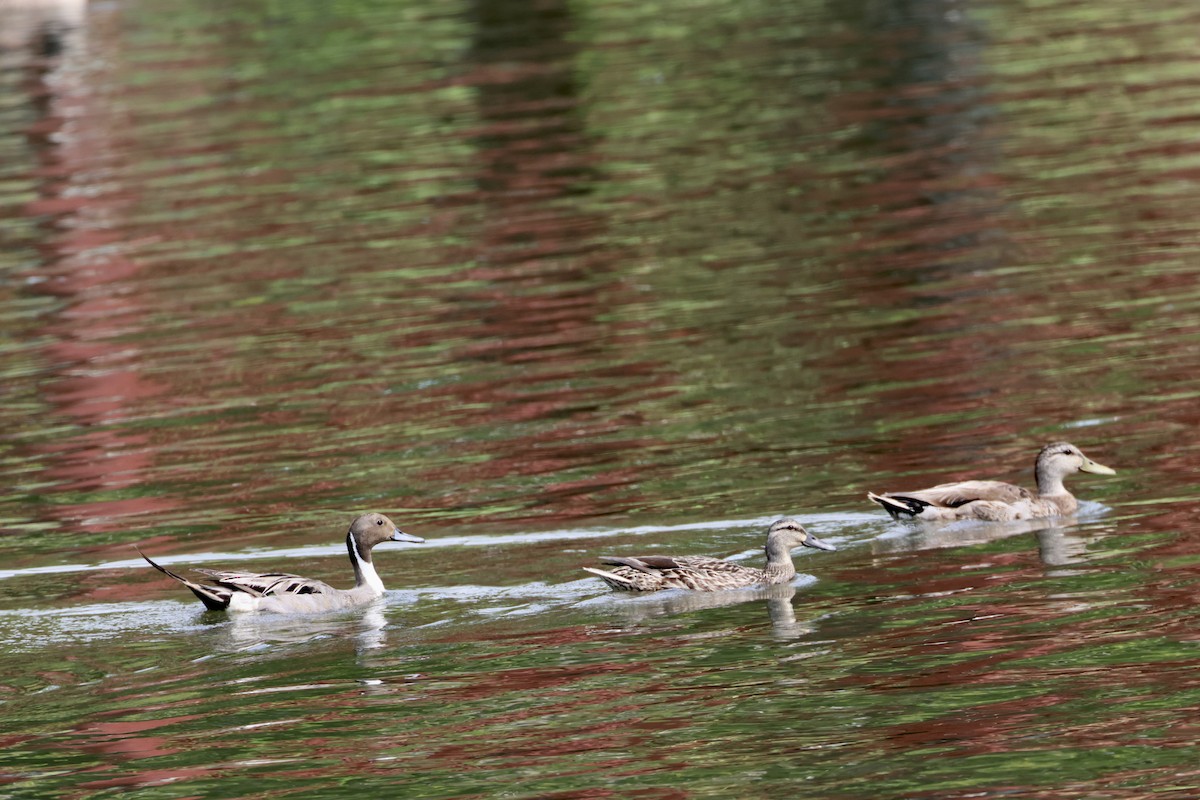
{"type": "Point", "coordinates": [283, 593]}
{"type": "Point", "coordinates": [995, 500]}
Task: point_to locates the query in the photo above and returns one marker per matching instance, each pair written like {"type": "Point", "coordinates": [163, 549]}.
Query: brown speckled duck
{"type": "Point", "coordinates": [997, 501]}
{"type": "Point", "coordinates": [282, 593]}
{"type": "Point", "coordinates": [705, 574]}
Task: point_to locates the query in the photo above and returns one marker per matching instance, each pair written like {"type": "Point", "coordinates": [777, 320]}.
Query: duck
{"type": "Point", "coordinates": [282, 593]}
{"type": "Point", "coordinates": [996, 501]}
{"type": "Point", "coordinates": [707, 574]}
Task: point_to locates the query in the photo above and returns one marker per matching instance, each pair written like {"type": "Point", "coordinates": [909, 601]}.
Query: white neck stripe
{"type": "Point", "coordinates": [365, 569]}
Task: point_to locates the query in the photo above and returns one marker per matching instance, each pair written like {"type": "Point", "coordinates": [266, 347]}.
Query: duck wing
{"type": "Point", "coordinates": [656, 564]}
{"type": "Point", "coordinates": [648, 564]}
{"type": "Point", "coordinates": [953, 495]}
{"type": "Point", "coordinates": [267, 583]}
{"type": "Point", "coordinates": [712, 566]}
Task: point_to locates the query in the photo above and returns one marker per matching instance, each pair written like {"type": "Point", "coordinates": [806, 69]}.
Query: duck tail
{"type": "Point", "coordinates": [213, 597]}
{"type": "Point", "coordinates": [614, 580]}
{"type": "Point", "coordinates": [898, 506]}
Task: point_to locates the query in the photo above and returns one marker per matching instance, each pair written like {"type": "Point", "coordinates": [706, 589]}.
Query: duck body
{"type": "Point", "coordinates": [707, 574]}
{"type": "Point", "coordinates": [283, 593]}
{"type": "Point", "coordinates": [275, 592]}
{"type": "Point", "coordinates": [996, 501]}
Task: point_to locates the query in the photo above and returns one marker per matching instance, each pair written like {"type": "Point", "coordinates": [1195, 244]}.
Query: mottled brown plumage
{"type": "Point", "coordinates": [706, 574]}
{"type": "Point", "coordinates": [994, 500]}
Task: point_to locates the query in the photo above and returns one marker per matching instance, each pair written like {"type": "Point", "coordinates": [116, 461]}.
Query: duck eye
{"type": "Point", "coordinates": [378, 522]}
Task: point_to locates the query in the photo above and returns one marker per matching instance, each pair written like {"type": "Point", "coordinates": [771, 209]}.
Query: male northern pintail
{"type": "Point", "coordinates": [290, 594]}
{"type": "Point", "coordinates": [705, 574]}
{"type": "Point", "coordinates": [997, 501]}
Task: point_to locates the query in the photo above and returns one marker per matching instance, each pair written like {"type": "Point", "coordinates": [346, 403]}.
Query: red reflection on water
{"type": "Point", "coordinates": [1045, 654]}
{"type": "Point", "coordinates": [931, 233]}
{"type": "Point", "coordinates": [123, 737]}
{"type": "Point", "coordinates": [551, 292]}
{"type": "Point", "coordinates": [124, 741]}
{"type": "Point", "coordinates": [150, 777]}
{"type": "Point", "coordinates": [987, 299]}
{"type": "Point", "coordinates": [98, 379]}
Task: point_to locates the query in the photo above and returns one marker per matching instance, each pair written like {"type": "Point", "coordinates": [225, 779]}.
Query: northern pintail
{"type": "Point", "coordinates": [282, 593]}
{"type": "Point", "coordinates": [705, 574]}
{"type": "Point", "coordinates": [997, 501]}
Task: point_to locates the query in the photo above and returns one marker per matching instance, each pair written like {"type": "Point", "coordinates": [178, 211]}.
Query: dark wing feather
{"type": "Point", "coordinates": [656, 565]}
{"type": "Point", "coordinates": [646, 564]}
{"type": "Point", "coordinates": [267, 583]}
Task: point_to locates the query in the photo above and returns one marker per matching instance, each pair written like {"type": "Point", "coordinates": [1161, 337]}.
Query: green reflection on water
{"type": "Point", "coordinates": [507, 268]}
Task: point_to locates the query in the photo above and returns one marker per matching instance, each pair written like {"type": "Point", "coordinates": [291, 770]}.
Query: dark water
{"type": "Point", "coordinates": [546, 281]}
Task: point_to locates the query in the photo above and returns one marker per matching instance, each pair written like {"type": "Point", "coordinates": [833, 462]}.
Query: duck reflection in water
{"type": "Point", "coordinates": [1060, 542]}
{"type": "Point", "coordinates": [635, 609]}
{"type": "Point", "coordinates": [247, 632]}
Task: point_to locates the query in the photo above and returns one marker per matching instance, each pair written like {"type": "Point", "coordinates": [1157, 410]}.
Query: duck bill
{"type": "Point", "coordinates": [1099, 469]}
{"type": "Point", "coordinates": [813, 541]}
{"type": "Point", "coordinates": [400, 536]}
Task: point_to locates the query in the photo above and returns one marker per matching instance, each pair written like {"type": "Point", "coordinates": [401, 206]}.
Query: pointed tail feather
{"type": "Point", "coordinates": [613, 580]}
{"type": "Point", "coordinates": [898, 506]}
{"type": "Point", "coordinates": [214, 598]}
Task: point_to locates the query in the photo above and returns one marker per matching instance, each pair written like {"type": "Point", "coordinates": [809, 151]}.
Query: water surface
{"type": "Point", "coordinates": [547, 282]}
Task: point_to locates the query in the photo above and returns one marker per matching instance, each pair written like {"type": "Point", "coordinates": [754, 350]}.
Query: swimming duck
{"type": "Point", "coordinates": [997, 501]}
{"type": "Point", "coordinates": [282, 593]}
{"type": "Point", "coordinates": [705, 574]}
